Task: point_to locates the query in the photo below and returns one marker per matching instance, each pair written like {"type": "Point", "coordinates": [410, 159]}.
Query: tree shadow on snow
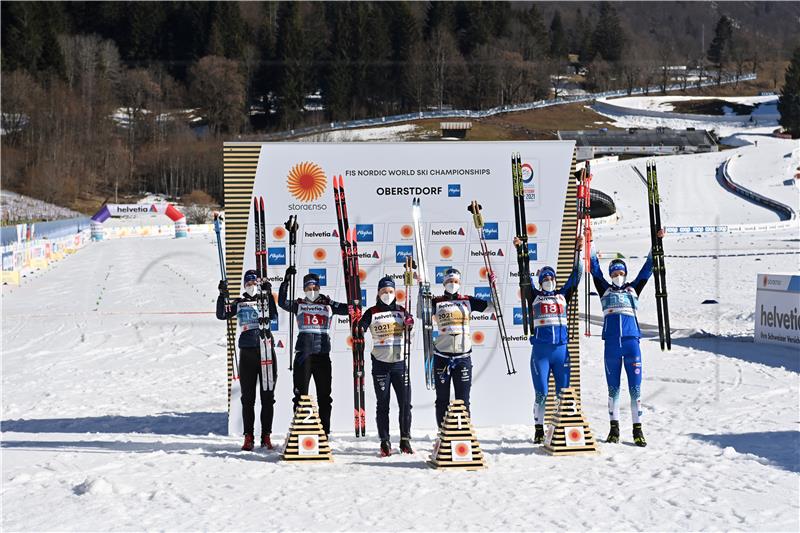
{"type": "Point", "coordinates": [745, 349]}
{"type": "Point", "coordinates": [781, 448]}
{"type": "Point", "coordinates": [200, 423]}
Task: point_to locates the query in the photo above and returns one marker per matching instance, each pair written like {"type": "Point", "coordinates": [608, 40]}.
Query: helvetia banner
{"type": "Point", "coordinates": [777, 316]}
{"type": "Point", "coordinates": [380, 181]}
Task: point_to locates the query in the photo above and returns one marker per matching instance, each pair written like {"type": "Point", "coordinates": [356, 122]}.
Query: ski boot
{"type": "Point", "coordinates": [638, 436]}
{"type": "Point", "coordinates": [266, 442]}
{"type": "Point", "coordinates": [538, 438]}
{"type": "Point", "coordinates": [405, 445]}
{"type": "Point", "coordinates": [248, 442]}
{"type": "Point", "coordinates": [386, 448]}
{"type": "Point", "coordinates": [613, 434]}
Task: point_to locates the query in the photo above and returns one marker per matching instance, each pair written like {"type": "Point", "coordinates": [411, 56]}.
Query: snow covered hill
{"type": "Point", "coordinates": [114, 402]}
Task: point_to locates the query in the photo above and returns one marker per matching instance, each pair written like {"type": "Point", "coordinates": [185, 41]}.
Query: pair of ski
{"type": "Point", "coordinates": [426, 297]}
{"type": "Point", "coordinates": [584, 200]}
{"type": "Point", "coordinates": [352, 281]}
{"type": "Point", "coordinates": [523, 254]}
{"type": "Point", "coordinates": [266, 348]}
{"type": "Point", "coordinates": [659, 267]}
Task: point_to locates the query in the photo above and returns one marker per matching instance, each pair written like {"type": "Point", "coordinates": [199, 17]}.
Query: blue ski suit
{"type": "Point", "coordinates": [550, 337]}
{"type": "Point", "coordinates": [621, 334]}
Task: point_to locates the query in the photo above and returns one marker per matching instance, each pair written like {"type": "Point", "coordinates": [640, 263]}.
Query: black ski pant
{"type": "Point", "coordinates": [250, 379]}
{"type": "Point", "coordinates": [385, 377]}
{"type": "Point", "coordinates": [459, 370]}
{"type": "Point", "coordinates": [318, 366]}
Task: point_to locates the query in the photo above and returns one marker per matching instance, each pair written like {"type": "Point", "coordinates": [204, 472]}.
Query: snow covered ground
{"type": "Point", "coordinates": [375, 134]}
{"type": "Point", "coordinates": [114, 401]}
{"type": "Point", "coordinates": [16, 207]}
{"type": "Point", "coordinates": [663, 103]}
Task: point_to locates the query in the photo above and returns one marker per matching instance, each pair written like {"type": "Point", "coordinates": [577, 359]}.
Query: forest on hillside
{"type": "Point", "coordinates": [107, 97]}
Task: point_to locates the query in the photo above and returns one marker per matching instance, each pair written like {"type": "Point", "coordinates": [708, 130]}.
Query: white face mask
{"type": "Point", "coordinates": [387, 298]}
{"type": "Point", "coordinates": [452, 288]}
{"type": "Point", "coordinates": [251, 290]}
{"type": "Point", "coordinates": [549, 285]}
{"type": "Point", "coordinates": [619, 281]}
{"type": "Point", "coordinates": [312, 295]}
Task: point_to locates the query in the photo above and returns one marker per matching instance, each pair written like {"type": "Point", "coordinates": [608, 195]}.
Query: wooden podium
{"type": "Point", "coordinates": [306, 440]}
{"type": "Point", "coordinates": [568, 433]}
{"type": "Point", "coordinates": [456, 446]}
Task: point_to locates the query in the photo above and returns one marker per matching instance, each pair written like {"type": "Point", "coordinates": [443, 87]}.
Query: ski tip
{"type": "Point", "coordinates": [261, 202]}
{"type": "Point", "coordinates": [335, 182]}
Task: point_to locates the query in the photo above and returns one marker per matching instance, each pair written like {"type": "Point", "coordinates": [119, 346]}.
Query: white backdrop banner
{"type": "Point", "coordinates": [777, 317]}
{"type": "Point", "coordinates": [380, 182]}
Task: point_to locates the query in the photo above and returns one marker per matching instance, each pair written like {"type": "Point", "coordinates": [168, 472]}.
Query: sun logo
{"type": "Point", "coordinates": [400, 295]}
{"type": "Point", "coordinates": [406, 231]}
{"type": "Point", "coordinates": [531, 229]}
{"type": "Point", "coordinates": [306, 181]}
{"type": "Point", "coordinates": [278, 233]}
{"type": "Point", "coordinates": [320, 254]}
{"type": "Point", "coordinates": [362, 275]}
{"type": "Point", "coordinates": [483, 273]}
{"type": "Point", "coordinates": [446, 252]}
{"type": "Point", "coordinates": [478, 337]}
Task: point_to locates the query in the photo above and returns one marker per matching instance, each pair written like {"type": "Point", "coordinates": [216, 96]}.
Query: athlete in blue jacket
{"type": "Point", "coordinates": [550, 335]}
{"type": "Point", "coordinates": [621, 333]}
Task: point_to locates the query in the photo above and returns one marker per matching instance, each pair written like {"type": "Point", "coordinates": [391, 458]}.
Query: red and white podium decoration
{"type": "Point", "coordinates": [569, 434]}
{"type": "Point", "coordinates": [456, 447]}
{"type": "Point", "coordinates": [306, 440]}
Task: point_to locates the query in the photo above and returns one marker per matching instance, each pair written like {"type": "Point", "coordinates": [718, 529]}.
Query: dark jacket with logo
{"type": "Point", "coordinates": [246, 311]}
{"type": "Point", "coordinates": [313, 321]}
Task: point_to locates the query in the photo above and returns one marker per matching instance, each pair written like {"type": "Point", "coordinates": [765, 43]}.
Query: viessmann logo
{"type": "Point", "coordinates": [306, 181]}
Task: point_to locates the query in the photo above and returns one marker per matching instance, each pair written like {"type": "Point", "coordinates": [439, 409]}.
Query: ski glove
{"type": "Point", "coordinates": [223, 288]}
{"type": "Point", "coordinates": [409, 321]}
{"type": "Point", "coordinates": [291, 271]}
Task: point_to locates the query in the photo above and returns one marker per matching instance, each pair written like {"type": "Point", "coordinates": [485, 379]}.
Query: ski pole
{"type": "Point", "coordinates": [231, 335]}
{"type": "Point", "coordinates": [291, 227]}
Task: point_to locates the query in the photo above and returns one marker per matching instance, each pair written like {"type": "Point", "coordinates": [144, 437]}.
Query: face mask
{"type": "Point", "coordinates": [312, 295]}
{"type": "Point", "coordinates": [387, 298]}
{"type": "Point", "coordinates": [549, 285]}
{"type": "Point", "coordinates": [452, 288]}
{"type": "Point", "coordinates": [251, 290]}
{"type": "Point", "coordinates": [619, 281]}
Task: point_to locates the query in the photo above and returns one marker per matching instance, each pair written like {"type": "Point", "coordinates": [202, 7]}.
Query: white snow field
{"type": "Point", "coordinates": [114, 401]}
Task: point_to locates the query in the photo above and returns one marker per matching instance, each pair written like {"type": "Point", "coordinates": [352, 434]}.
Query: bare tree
{"type": "Point", "coordinates": [218, 87]}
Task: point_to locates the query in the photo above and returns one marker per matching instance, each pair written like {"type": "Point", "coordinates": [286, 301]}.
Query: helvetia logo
{"type": "Point", "coordinates": [527, 173]}
{"type": "Point", "coordinates": [306, 181]}
{"type": "Point", "coordinates": [276, 256]}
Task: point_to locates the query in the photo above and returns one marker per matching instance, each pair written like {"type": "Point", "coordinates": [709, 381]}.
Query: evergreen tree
{"type": "Point", "coordinates": [293, 63]}
{"type": "Point", "coordinates": [558, 38]}
{"type": "Point", "coordinates": [608, 38]}
{"type": "Point", "coordinates": [789, 101]}
{"type": "Point", "coordinates": [719, 51]}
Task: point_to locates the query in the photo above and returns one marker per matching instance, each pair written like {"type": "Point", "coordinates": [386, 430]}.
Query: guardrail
{"type": "Point", "coordinates": [468, 113]}
{"type": "Point", "coordinates": [784, 211]}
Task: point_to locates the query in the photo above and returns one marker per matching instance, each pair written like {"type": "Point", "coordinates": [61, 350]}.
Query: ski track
{"type": "Point", "coordinates": [114, 420]}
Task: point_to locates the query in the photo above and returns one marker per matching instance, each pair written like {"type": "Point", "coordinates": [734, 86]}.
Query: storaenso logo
{"type": "Point", "coordinates": [491, 231]}
{"type": "Point", "coordinates": [789, 321]}
{"type": "Point", "coordinates": [276, 256]}
{"type": "Point", "coordinates": [454, 190]}
{"type": "Point", "coordinates": [365, 232]}
{"type": "Point", "coordinates": [306, 181]}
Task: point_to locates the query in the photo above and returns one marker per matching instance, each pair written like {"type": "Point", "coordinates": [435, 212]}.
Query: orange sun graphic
{"type": "Point", "coordinates": [446, 252]}
{"type": "Point", "coordinates": [400, 295]}
{"type": "Point", "coordinates": [531, 229]}
{"type": "Point", "coordinates": [279, 233]}
{"type": "Point", "coordinates": [483, 273]}
{"type": "Point", "coordinates": [306, 181]}
{"type": "Point", "coordinates": [320, 254]}
{"type": "Point", "coordinates": [478, 337]}
{"type": "Point", "coordinates": [362, 275]}
{"type": "Point", "coordinates": [406, 231]}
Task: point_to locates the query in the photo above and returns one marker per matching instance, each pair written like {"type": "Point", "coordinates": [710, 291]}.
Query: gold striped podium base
{"type": "Point", "coordinates": [456, 446]}
{"type": "Point", "coordinates": [569, 434]}
{"type": "Point", "coordinates": [306, 440]}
